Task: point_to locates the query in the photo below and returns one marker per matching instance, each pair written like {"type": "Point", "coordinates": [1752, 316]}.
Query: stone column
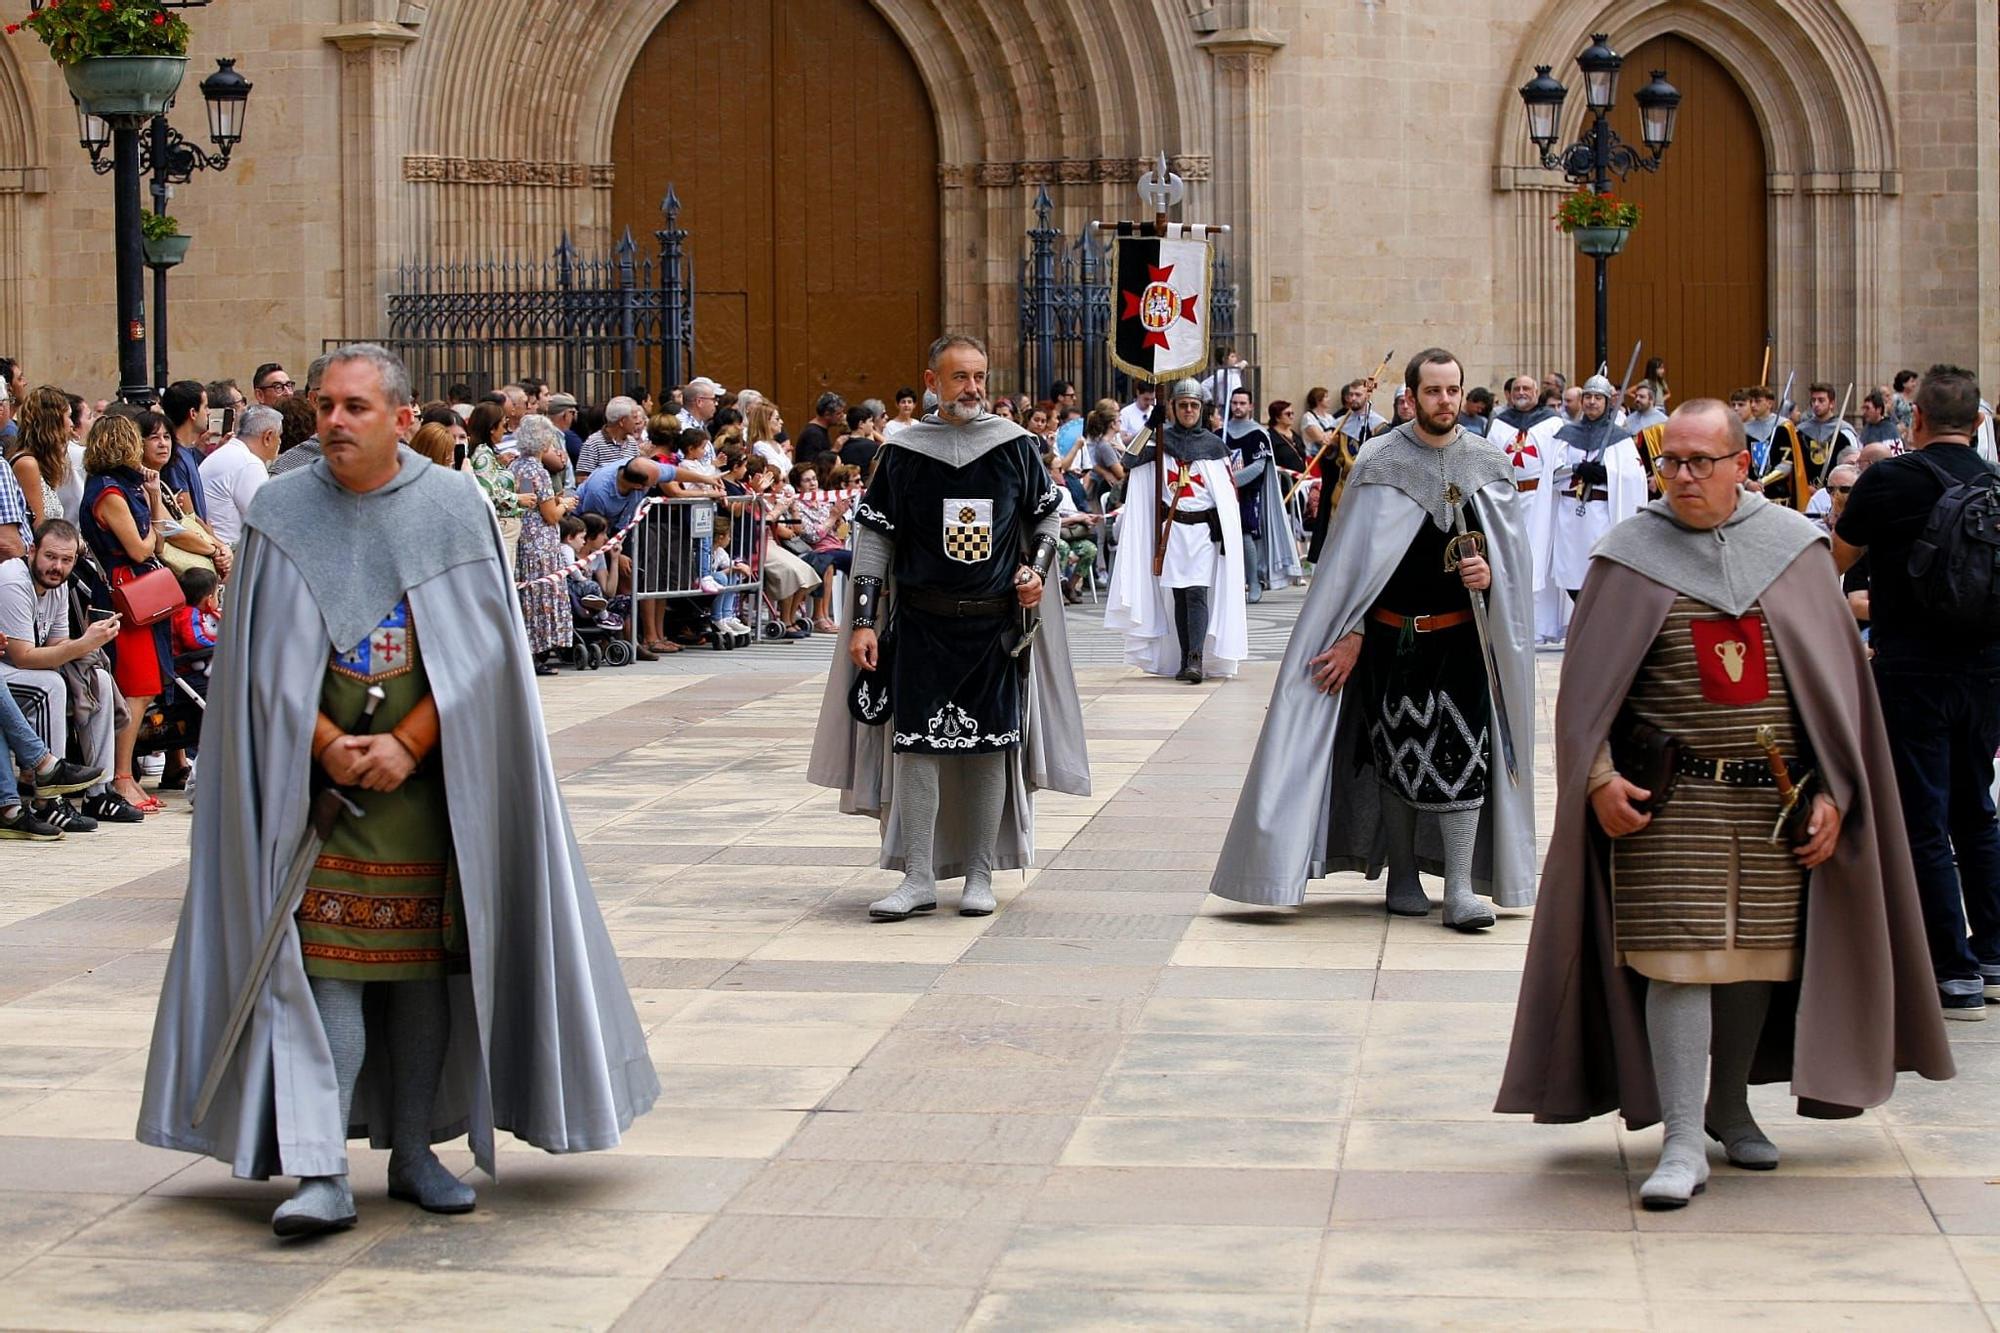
{"type": "Point", "coordinates": [1242, 172]}
{"type": "Point", "coordinates": [370, 165]}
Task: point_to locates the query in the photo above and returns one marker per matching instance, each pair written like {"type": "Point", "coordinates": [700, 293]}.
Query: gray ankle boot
{"type": "Point", "coordinates": [916, 803]}
{"type": "Point", "coordinates": [1399, 825]}
{"type": "Point", "coordinates": [986, 797]}
{"type": "Point", "coordinates": [1677, 1029]}
{"type": "Point", "coordinates": [1738, 1017]}
{"type": "Point", "coordinates": [326, 1203]}
{"type": "Point", "coordinates": [1463, 909]}
{"type": "Point", "coordinates": [419, 1031]}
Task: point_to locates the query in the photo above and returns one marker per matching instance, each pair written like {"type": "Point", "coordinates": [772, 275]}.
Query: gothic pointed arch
{"type": "Point", "coordinates": [1829, 143]}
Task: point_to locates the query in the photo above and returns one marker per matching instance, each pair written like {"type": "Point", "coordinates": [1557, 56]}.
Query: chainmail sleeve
{"type": "Point", "coordinates": [872, 553]}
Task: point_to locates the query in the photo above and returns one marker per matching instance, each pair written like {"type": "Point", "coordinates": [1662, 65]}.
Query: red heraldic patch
{"type": "Point", "coordinates": [1730, 653]}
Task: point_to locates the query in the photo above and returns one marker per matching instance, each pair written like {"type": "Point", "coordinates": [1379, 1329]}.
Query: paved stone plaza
{"type": "Point", "coordinates": [1115, 1103]}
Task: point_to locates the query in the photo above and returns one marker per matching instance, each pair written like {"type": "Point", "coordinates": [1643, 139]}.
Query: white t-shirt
{"type": "Point", "coordinates": [1132, 419]}
{"type": "Point", "coordinates": [229, 479]}
{"type": "Point", "coordinates": [27, 612]}
{"type": "Point", "coordinates": [893, 427]}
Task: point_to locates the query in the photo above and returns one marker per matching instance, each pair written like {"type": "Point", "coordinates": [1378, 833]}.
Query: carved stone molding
{"type": "Point", "coordinates": [430, 169]}
{"type": "Point", "coordinates": [1067, 171]}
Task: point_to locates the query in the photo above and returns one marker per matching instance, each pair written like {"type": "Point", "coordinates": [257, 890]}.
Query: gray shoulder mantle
{"type": "Point", "coordinates": [1398, 459]}
{"type": "Point", "coordinates": [1728, 567]}
{"type": "Point", "coordinates": [955, 446]}
{"type": "Point", "coordinates": [359, 554]}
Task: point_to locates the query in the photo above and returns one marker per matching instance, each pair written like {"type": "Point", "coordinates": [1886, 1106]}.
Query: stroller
{"type": "Point", "coordinates": [599, 629]}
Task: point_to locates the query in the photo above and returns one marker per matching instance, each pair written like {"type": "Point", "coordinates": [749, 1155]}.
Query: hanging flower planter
{"type": "Point", "coordinates": [161, 236]}
{"type": "Point", "coordinates": [119, 57]}
{"type": "Point", "coordinates": [108, 86]}
{"type": "Point", "coordinates": [1600, 223]}
{"type": "Point", "coordinates": [1600, 242]}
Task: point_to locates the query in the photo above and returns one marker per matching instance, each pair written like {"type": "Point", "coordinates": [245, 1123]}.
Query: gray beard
{"type": "Point", "coordinates": [959, 413]}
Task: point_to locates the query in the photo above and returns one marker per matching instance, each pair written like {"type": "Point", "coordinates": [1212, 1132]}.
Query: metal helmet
{"type": "Point", "coordinates": [1187, 388]}
{"type": "Point", "coordinates": [1597, 384]}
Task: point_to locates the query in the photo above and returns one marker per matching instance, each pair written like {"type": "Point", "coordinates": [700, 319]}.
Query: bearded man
{"type": "Point", "coordinates": [1387, 670]}
{"type": "Point", "coordinates": [1711, 666]}
{"type": "Point", "coordinates": [955, 540]}
{"type": "Point", "coordinates": [1182, 610]}
{"type": "Point", "coordinates": [387, 931]}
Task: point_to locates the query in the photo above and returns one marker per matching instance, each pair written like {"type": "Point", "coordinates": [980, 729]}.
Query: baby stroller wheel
{"type": "Point", "coordinates": [618, 652]}
{"type": "Point", "coordinates": [593, 656]}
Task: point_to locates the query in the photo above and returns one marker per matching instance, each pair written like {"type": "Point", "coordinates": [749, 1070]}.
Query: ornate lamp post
{"type": "Point", "coordinates": [1594, 159]}
{"type": "Point", "coordinates": [170, 159]}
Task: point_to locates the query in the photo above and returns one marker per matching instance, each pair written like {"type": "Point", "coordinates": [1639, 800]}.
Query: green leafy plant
{"type": "Point", "coordinates": [78, 30]}
{"type": "Point", "coordinates": [158, 226]}
{"type": "Point", "coordinates": [1587, 208]}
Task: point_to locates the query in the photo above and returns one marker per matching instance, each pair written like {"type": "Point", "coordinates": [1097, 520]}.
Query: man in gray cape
{"type": "Point", "coordinates": [929, 722]}
{"type": "Point", "coordinates": [1271, 557]}
{"type": "Point", "coordinates": [1385, 670]}
{"type": "Point", "coordinates": [446, 970]}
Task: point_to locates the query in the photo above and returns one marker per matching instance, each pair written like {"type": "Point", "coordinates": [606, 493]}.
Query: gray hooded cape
{"type": "Point", "coordinates": [857, 760]}
{"type": "Point", "coordinates": [1278, 549]}
{"type": "Point", "coordinates": [545, 1042]}
{"type": "Point", "coordinates": [1307, 810]}
{"type": "Point", "coordinates": [1865, 1005]}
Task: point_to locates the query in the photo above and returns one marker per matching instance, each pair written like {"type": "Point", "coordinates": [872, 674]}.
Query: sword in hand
{"type": "Point", "coordinates": [1464, 547]}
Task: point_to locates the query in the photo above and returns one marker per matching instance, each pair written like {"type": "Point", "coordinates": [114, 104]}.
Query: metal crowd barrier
{"type": "Point", "coordinates": [671, 546]}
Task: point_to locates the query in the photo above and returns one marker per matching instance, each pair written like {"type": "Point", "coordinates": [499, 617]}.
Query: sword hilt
{"type": "Point", "coordinates": [1767, 741]}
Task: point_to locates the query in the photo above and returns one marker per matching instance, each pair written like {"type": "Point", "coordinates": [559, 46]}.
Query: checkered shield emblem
{"type": "Point", "coordinates": [968, 531]}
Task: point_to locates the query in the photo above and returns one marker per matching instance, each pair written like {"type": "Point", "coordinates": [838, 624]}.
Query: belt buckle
{"type": "Point", "coordinates": [1718, 766]}
{"type": "Point", "coordinates": [1414, 624]}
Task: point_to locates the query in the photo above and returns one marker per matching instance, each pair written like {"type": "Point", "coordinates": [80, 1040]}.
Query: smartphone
{"type": "Point", "coordinates": [216, 417]}
{"type": "Point", "coordinates": [96, 615]}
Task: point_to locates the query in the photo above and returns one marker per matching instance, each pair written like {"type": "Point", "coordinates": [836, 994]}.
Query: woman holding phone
{"type": "Point", "coordinates": [122, 513]}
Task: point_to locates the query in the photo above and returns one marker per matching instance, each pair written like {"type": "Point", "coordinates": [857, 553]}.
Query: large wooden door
{"type": "Point", "coordinates": [1692, 280]}
{"type": "Point", "coordinates": [803, 147]}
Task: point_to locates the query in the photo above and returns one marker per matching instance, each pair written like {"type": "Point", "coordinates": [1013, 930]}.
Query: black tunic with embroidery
{"type": "Point", "coordinates": [959, 532]}
{"type": "Point", "coordinates": [1428, 707]}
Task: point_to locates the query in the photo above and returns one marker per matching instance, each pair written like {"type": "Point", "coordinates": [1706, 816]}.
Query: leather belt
{"type": "Point", "coordinates": [1420, 624]}
{"type": "Point", "coordinates": [1599, 494]}
{"type": "Point", "coordinates": [1729, 772]}
{"type": "Point", "coordinates": [937, 604]}
{"type": "Point", "coordinates": [1532, 484]}
{"type": "Point", "coordinates": [1202, 516]}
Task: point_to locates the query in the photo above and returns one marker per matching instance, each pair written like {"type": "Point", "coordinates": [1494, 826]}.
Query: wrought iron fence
{"type": "Point", "coordinates": [593, 325]}
{"type": "Point", "coordinates": [1065, 312]}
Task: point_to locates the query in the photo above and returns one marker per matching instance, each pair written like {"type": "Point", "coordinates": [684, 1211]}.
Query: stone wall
{"type": "Point", "coordinates": [1369, 153]}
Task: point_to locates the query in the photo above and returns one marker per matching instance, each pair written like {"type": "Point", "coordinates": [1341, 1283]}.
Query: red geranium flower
{"type": "Point", "coordinates": [105, 5]}
{"type": "Point", "coordinates": [13, 28]}
{"type": "Point", "coordinates": [159, 19]}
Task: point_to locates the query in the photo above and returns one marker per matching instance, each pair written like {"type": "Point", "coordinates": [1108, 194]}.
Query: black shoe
{"type": "Point", "coordinates": [175, 779]}
{"type": "Point", "coordinates": [24, 824]}
{"type": "Point", "coordinates": [108, 807]}
{"type": "Point", "coordinates": [63, 779]}
{"type": "Point", "coordinates": [544, 667]}
{"type": "Point", "coordinates": [1964, 1008]}
{"type": "Point", "coordinates": [61, 814]}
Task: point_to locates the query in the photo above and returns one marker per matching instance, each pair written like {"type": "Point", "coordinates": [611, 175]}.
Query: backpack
{"type": "Point", "coordinates": [1955, 564]}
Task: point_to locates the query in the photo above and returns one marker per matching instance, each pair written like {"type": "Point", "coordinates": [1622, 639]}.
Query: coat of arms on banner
{"type": "Point", "coordinates": [384, 653]}
{"type": "Point", "coordinates": [1160, 324]}
{"type": "Point", "coordinates": [968, 531]}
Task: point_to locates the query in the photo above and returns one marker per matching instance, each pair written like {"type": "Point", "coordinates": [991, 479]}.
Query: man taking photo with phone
{"type": "Point", "coordinates": [68, 673]}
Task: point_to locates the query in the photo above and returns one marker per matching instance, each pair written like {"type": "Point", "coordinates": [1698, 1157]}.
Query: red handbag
{"type": "Point", "coordinates": [145, 598]}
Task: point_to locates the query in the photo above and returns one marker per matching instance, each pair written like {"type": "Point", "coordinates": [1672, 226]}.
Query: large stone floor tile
{"type": "Point", "coordinates": [1116, 1311]}
{"type": "Point", "coordinates": [795, 1307]}
{"type": "Point", "coordinates": [1317, 954]}
{"type": "Point", "coordinates": [767, 974]}
{"type": "Point", "coordinates": [570, 1242]}
{"type": "Point", "coordinates": [143, 1294]}
{"type": "Point", "coordinates": [614, 1183]}
{"type": "Point", "coordinates": [1950, 1152]}
{"type": "Point", "coordinates": [843, 947]}
{"type": "Point", "coordinates": [1283, 1094]}
{"type": "Point", "coordinates": [1826, 1267]}
{"type": "Point", "coordinates": [994, 1047]}
{"type": "Point", "coordinates": [1015, 1091]}
{"type": "Point", "coordinates": [710, 1132]}
{"type": "Point", "coordinates": [786, 1008]}
{"type": "Point", "coordinates": [473, 1301]}
{"type": "Point", "coordinates": [1739, 1201]}
{"type": "Point", "coordinates": [1047, 979]}
{"type": "Point", "coordinates": [1979, 1257]}
{"type": "Point", "coordinates": [1075, 1255]}
{"type": "Point", "coordinates": [890, 1136]}
{"type": "Point", "coordinates": [1092, 1013]}
{"type": "Point", "coordinates": [79, 1113]}
{"type": "Point", "coordinates": [1218, 1053]}
{"type": "Point", "coordinates": [1268, 983]}
{"type": "Point", "coordinates": [1508, 1264]}
{"type": "Point", "coordinates": [677, 1042]}
{"type": "Point", "coordinates": [975, 1191]}
{"type": "Point", "coordinates": [747, 1087]}
{"type": "Point", "coordinates": [1812, 1316]}
{"type": "Point", "coordinates": [1417, 1199]}
{"type": "Point", "coordinates": [1500, 1145]}
{"type": "Point", "coordinates": [1069, 952]}
{"type": "Point", "coordinates": [1418, 1314]}
{"type": "Point", "coordinates": [1187, 1141]}
{"type": "Point", "coordinates": [85, 1166]}
{"type": "Point", "coordinates": [897, 1251]}
{"type": "Point", "coordinates": [222, 1230]}
{"type": "Point", "coordinates": [1294, 1018]}
{"type": "Point", "coordinates": [32, 1221]}
{"type": "Point", "coordinates": [1217, 1196]}
{"type": "Point", "coordinates": [1963, 1205]}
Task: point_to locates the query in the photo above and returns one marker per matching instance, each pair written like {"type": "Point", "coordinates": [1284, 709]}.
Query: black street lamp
{"type": "Point", "coordinates": [1600, 154]}
{"type": "Point", "coordinates": [170, 159]}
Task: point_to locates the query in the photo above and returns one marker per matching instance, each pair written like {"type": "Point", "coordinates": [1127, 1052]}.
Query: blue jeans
{"type": "Point", "coordinates": [24, 744]}
{"type": "Point", "coordinates": [1943, 728]}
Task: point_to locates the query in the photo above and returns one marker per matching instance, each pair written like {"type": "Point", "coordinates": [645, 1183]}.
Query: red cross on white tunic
{"type": "Point", "coordinates": [1186, 480]}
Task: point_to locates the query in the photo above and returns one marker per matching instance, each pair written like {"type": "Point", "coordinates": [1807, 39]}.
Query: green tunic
{"type": "Point", "coordinates": [382, 902]}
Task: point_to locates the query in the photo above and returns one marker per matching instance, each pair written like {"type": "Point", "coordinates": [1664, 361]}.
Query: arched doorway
{"type": "Point", "coordinates": [804, 149]}
{"type": "Point", "coordinates": [1692, 280]}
